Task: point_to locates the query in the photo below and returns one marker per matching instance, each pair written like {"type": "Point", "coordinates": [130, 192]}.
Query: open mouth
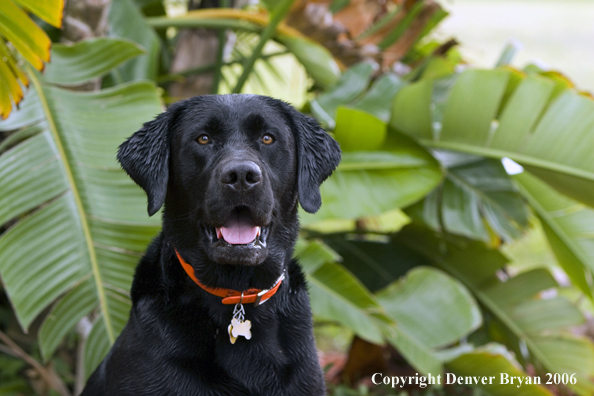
{"type": "Point", "coordinates": [239, 229]}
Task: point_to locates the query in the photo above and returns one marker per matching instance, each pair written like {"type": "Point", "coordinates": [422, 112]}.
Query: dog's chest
{"type": "Point", "coordinates": [261, 362]}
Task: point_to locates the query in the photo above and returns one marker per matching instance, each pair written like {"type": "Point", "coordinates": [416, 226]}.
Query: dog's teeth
{"type": "Point", "coordinates": [257, 232]}
{"type": "Point", "coordinates": [219, 233]}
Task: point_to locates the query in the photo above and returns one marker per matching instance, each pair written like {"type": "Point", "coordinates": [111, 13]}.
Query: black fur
{"type": "Point", "coordinates": [176, 340]}
{"type": "Point", "coordinates": [145, 157]}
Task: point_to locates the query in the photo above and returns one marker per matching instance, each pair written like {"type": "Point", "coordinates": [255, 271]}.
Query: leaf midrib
{"type": "Point", "coordinates": [498, 154]}
{"type": "Point", "coordinates": [557, 229]}
{"type": "Point", "coordinates": [483, 195]}
{"type": "Point", "coordinates": [78, 203]}
{"type": "Point", "coordinates": [499, 312]}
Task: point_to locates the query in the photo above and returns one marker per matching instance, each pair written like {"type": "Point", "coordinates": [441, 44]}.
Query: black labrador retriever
{"type": "Point", "coordinates": [219, 307]}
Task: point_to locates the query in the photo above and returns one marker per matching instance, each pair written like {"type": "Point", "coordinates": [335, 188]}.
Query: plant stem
{"type": "Point", "coordinates": [207, 68]}
{"type": "Point", "coordinates": [220, 54]}
{"type": "Point", "coordinates": [276, 17]}
{"type": "Point", "coordinates": [52, 381]}
{"type": "Point", "coordinates": [402, 26]}
{"type": "Point", "coordinates": [184, 22]}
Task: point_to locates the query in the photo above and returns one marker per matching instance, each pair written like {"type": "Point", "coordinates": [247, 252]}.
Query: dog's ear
{"type": "Point", "coordinates": [318, 154]}
{"type": "Point", "coordinates": [145, 157]}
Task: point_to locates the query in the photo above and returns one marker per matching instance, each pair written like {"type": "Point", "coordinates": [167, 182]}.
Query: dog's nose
{"type": "Point", "coordinates": [243, 175]}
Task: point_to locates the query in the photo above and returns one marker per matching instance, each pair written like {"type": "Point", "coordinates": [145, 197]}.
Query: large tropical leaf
{"type": "Point", "coordinates": [547, 128]}
{"type": "Point", "coordinates": [538, 323]}
{"type": "Point", "coordinates": [476, 199]}
{"type": "Point", "coordinates": [368, 183]}
{"type": "Point", "coordinates": [337, 295]}
{"type": "Point", "coordinates": [28, 39]}
{"type": "Point", "coordinates": [381, 169]}
{"type": "Point", "coordinates": [348, 88]}
{"type": "Point", "coordinates": [431, 310]}
{"type": "Point", "coordinates": [376, 263]}
{"type": "Point", "coordinates": [126, 21]}
{"type": "Point", "coordinates": [431, 307]}
{"type": "Point", "coordinates": [377, 100]}
{"type": "Point", "coordinates": [80, 222]}
{"type": "Point", "coordinates": [85, 60]}
{"type": "Point", "coordinates": [568, 226]}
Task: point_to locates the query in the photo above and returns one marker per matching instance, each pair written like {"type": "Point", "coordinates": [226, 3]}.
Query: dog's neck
{"type": "Point", "coordinates": [230, 296]}
{"type": "Point", "coordinates": [226, 276]}
{"type": "Point", "coordinates": [181, 235]}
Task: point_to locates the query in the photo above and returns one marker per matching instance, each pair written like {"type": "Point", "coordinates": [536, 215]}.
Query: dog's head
{"type": "Point", "coordinates": [229, 170]}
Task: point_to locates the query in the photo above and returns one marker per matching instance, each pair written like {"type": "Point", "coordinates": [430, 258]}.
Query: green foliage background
{"type": "Point", "coordinates": [408, 248]}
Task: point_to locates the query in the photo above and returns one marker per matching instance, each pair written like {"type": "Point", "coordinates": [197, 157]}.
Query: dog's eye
{"type": "Point", "coordinates": [267, 139]}
{"type": "Point", "coordinates": [203, 139]}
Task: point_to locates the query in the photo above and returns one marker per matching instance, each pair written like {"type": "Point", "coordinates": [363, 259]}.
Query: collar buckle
{"type": "Point", "coordinates": [263, 292]}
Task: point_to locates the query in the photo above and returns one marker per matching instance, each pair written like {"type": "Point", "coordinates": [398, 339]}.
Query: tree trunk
{"type": "Point", "coordinates": [84, 19]}
{"type": "Point", "coordinates": [194, 48]}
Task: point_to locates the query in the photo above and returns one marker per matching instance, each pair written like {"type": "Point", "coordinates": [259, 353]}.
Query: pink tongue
{"type": "Point", "coordinates": [239, 229]}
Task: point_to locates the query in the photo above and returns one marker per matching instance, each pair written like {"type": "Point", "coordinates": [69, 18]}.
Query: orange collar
{"type": "Point", "coordinates": [230, 296]}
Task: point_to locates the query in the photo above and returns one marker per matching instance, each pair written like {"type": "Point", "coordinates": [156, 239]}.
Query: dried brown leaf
{"type": "Point", "coordinates": [339, 33]}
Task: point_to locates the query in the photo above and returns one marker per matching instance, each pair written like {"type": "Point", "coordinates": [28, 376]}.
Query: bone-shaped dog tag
{"type": "Point", "coordinates": [240, 328]}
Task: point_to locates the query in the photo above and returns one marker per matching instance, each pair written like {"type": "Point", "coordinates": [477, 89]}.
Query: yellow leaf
{"type": "Point", "coordinates": [50, 11]}
{"type": "Point", "coordinates": [9, 79]}
{"type": "Point", "coordinates": [28, 38]}
{"type": "Point", "coordinates": [13, 64]}
{"type": "Point", "coordinates": [5, 103]}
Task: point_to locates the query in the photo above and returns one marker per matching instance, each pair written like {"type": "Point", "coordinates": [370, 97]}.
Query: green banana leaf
{"type": "Point", "coordinates": [336, 295]}
{"type": "Point", "coordinates": [476, 199]}
{"type": "Point", "coordinates": [349, 87]}
{"type": "Point", "coordinates": [374, 262]}
{"type": "Point", "coordinates": [499, 113]}
{"type": "Point", "coordinates": [431, 310]}
{"type": "Point", "coordinates": [30, 112]}
{"type": "Point", "coordinates": [539, 323]}
{"type": "Point", "coordinates": [377, 101]}
{"type": "Point", "coordinates": [568, 226]}
{"type": "Point", "coordinates": [368, 183]}
{"type": "Point", "coordinates": [431, 306]}
{"type": "Point", "coordinates": [358, 130]}
{"type": "Point", "coordinates": [80, 222]}
{"type": "Point", "coordinates": [278, 76]}
{"type": "Point", "coordinates": [417, 354]}
{"type": "Point", "coordinates": [126, 21]}
{"type": "Point", "coordinates": [571, 355]}
{"type": "Point", "coordinates": [76, 63]}
{"type": "Point", "coordinates": [313, 253]}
